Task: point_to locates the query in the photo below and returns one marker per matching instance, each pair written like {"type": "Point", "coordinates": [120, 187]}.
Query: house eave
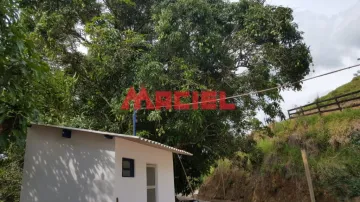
{"type": "Point", "coordinates": [136, 139]}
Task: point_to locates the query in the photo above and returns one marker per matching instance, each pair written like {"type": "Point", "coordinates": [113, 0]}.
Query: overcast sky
{"type": "Point", "coordinates": [331, 29]}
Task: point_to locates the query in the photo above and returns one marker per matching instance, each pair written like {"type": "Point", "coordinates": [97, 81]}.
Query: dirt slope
{"type": "Point", "coordinates": [271, 168]}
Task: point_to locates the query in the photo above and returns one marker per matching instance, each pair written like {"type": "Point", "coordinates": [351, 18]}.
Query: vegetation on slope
{"type": "Point", "coordinates": [350, 87]}
{"type": "Point", "coordinates": [332, 143]}
{"type": "Point", "coordinates": [333, 146]}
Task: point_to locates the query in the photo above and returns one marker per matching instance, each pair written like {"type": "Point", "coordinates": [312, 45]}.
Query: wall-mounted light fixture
{"type": "Point", "coordinates": [108, 136]}
{"type": "Point", "coordinates": [66, 133]}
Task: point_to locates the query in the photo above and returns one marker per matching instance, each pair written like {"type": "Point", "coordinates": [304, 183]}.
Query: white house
{"type": "Point", "coordinates": [65, 164]}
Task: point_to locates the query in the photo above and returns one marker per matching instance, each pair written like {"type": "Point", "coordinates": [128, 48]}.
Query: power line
{"type": "Point", "coordinates": [187, 179]}
{"type": "Point", "coordinates": [336, 71]}
{"type": "Point", "coordinates": [269, 89]}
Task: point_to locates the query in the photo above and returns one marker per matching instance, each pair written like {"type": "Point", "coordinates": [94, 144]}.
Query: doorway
{"type": "Point", "coordinates": [151, 182]}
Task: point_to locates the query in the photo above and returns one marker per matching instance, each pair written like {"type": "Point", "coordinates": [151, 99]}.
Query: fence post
{"type": "Point", "coordinates": [317, 105]}
{"type": "Point", "coordinates": [289, 114]}
{"type": "Point", "coordinates": [308, 175]}
{"type": "Point", "coordinates": [338, 104]}
{"type": "Point", "coordinates": [302, 111]}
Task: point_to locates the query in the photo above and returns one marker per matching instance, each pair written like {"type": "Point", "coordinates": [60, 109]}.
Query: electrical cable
{"type": "Point", "coordinates": [269, 89]}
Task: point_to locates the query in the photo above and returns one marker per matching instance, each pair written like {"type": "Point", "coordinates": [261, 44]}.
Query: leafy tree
{"type": "Point", "coordinates": [29, 89]}
{"type": "Point", "coordinates": [205, 43]}
{"type": "Point", "coordinates": [20, 68]}
{"type": "Point", "coordinates": [182, 45]}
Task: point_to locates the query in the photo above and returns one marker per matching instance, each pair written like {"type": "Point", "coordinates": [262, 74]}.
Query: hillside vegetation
{"type": "Point", "coordinates": [269, 164]}
{"type": "Point", "coordinates": [350, 87]}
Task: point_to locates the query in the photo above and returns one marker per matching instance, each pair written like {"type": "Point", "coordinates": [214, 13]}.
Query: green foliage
{"type": "Point", "coordinates": [29, 90]}
{"type": "Point", "coordinates": [11, 172]}
{"type": "Point", "coordinates": [338, 171]}
{"type": "Point", "coordinates": [266, 146]}
{"type": "Point", "coordinates": [350, 87]}
{"type": "Point", "coordinates": [187, 45]}
{"type": "Point", "coordinates": [331, 142]}
{"type": "Point", "coordinates": [20, 69]}
{"type": "Point", "coordinates": [332, 145]}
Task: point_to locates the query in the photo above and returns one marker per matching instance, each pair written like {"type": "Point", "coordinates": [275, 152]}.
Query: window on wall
{"type": "Point", "coordinates": [128, 167]}
{"type": "Point", "coordinates": [151, 183]}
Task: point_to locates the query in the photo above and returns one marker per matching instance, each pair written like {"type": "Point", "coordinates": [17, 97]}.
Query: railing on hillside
{"type": "Point", "coordinates": [349, 100]}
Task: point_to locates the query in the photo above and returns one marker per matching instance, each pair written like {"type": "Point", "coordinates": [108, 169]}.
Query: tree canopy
{"type": "Point", "coordinates": [72, 63]}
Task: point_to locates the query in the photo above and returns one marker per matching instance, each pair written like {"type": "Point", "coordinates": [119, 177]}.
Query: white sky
{"type": "Point", "coordinates": [331, 30]}
{"type": "Point", "coordinates": [324, 7]}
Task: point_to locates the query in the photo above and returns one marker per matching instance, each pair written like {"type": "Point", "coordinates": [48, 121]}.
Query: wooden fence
{"type": "Point", "coordinates": [338, 103]}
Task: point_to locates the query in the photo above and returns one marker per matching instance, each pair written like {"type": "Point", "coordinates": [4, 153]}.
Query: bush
{"type": "Point", "coordinates": [11, 173]}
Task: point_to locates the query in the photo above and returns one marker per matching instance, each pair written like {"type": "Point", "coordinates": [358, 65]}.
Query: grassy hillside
{"type": "Point", "coordinates": [352, 86]}
{"type": "Point", "coordinates": [269, 165]}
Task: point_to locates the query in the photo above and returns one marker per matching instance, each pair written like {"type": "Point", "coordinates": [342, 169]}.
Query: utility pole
{"type": "Point", "coordinates": [308, 175]}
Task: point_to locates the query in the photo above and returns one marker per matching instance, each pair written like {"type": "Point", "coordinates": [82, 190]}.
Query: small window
{"type": "Point", "coordinates": [128, 167]}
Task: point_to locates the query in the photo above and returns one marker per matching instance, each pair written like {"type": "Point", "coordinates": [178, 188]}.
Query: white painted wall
{"type": "Point", "coordinates": [58, 169]}
{"type": "Point", "coordinates": [134, 189]}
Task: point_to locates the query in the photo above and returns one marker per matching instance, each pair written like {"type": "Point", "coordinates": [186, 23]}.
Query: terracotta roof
{"type": "Point", "coordinates": [137, 139]}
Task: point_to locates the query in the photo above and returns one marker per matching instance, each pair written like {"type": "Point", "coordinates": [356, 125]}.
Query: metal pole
{"type": "Point", "coordinates": [134, 123]}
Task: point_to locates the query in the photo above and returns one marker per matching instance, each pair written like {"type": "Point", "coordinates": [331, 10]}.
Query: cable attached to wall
{"type": "Point", "coordinates": [187, 179]}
